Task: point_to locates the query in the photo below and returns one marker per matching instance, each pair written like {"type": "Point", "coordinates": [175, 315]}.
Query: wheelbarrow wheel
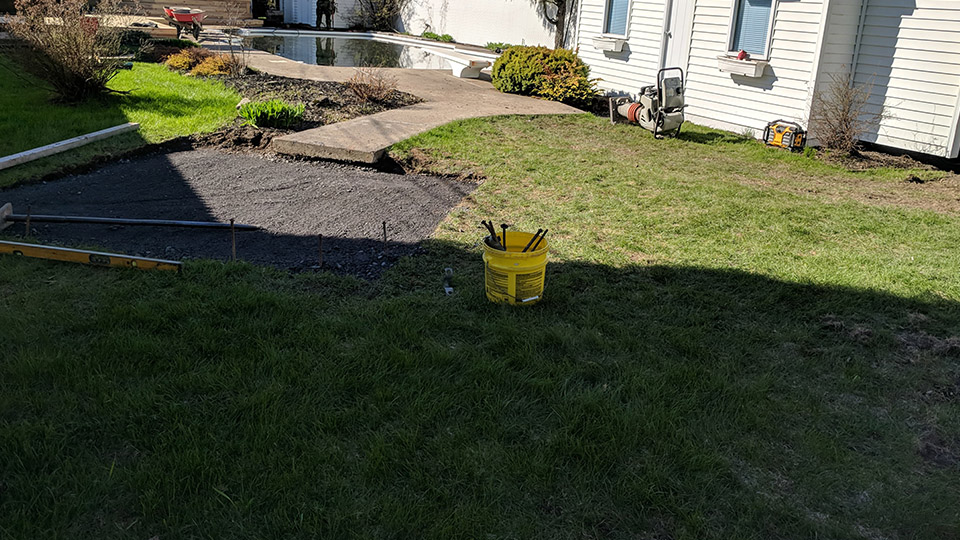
{"type": "Point", "coordinates": [196, 31]}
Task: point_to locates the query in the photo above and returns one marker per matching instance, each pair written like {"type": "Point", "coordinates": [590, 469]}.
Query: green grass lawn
{"type": "Point", "coordinates": [735, 342]}
{"type": "Point", "coordinates": [164, 103]}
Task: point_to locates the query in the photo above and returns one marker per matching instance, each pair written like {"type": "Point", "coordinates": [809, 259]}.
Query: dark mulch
{"type": "Point", "coordinates": [326, 102]}
{"type": "Point", "coordinates": [869, 159]}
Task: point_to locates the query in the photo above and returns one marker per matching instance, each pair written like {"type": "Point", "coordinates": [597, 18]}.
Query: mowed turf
{"type": "Point", "coordinates": [164, 103]}
{"type": "Point", "coordinates": [720, 353]}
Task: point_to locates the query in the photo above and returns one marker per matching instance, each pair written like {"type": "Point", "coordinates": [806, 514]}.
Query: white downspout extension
{"type": "Point", "coordinates": [953, 144]}
{"type": "Point", "coordinates": [576, 33]}
{"type": "Point", "coordinates": [664, 35]}
{"type": "Point", "coordinates": [815, 74]}
{"type": "Point", "coordinates": [856, 46]}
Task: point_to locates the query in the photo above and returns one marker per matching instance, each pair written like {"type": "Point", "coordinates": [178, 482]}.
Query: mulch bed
{"type": "Point", "coordinates": [325, 102]}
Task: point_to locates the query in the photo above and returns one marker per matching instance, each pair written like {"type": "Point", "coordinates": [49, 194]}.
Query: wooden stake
{"type": "Point", "coordinates": [233, 236]}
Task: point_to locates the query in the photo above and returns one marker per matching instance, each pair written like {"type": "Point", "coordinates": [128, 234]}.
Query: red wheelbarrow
{"type": "Point", "coordinates": [184, 18]}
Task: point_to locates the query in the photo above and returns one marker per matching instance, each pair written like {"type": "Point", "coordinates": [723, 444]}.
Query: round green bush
{"type": "Point", "coordinates": [555, 74]}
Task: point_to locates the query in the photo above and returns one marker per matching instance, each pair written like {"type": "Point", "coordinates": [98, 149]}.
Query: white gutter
{"type": "Point", "coordinates": [953, 144]}
{"type": "Point", "coordinates": [665, 32]}
{"type": "Point", "coordinates": [856, 48]}
{"type": "Point", "coordinates": [815, 68]}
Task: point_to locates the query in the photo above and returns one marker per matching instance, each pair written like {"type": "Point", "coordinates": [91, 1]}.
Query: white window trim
{"type": "Point", "coordinates": [606, 13]}
{"type": "Point", "coordinates": [732, 29]}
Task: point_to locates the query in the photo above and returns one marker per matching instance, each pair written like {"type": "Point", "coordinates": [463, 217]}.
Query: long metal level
{"type": "Point", "coordinates": [42, 218]}
{"type": "Point", "coordinates": [82, 256]}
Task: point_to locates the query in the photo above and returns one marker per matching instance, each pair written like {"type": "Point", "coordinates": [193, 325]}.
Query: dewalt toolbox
{"type": "Point", "coordinates": [785, 134]}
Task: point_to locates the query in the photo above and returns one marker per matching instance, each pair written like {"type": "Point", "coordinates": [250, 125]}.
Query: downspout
{"type": "Point", "coordinates": [856, 47]}
{"type": "Point", "coordinates": [576, 32]}
{"type": "Point", "coordinates": [664, 37]}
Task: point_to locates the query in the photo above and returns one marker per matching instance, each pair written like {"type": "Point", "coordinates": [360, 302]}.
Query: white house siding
{"type": "Point", "coordinates": [636, 66]}
{"type": "Point", "coordinates": [737, 103]}
{"type": "Point", "coordinates": [476, 21]}
{"type": "Point", "coordinates": [910, 57]}
{"type": "Point", "coordinates": [305, 12]}
{"type": "Point", "coordinates": [518, 22]}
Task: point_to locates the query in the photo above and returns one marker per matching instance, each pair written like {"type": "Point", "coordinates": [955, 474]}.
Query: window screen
{"type": "Point", "coordinates": [616, 17]}
{"type": "Point", "coordinates": [751, 26]}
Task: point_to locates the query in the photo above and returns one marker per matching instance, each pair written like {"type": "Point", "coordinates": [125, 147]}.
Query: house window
{"type": "Point", "coordinates": [751, 26]}
{"type": "Point", "coordinates": [616, 19]}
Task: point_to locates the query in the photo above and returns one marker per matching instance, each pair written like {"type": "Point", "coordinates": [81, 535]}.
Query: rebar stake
{"type": "Point", "coordinates": [319, 251]}
{"type": "Point", "coordinates": [233, 241]}
{"type": "Point", "coordinates": [26, 230]}
{"type": "Point", "coordinates": [384, 236]}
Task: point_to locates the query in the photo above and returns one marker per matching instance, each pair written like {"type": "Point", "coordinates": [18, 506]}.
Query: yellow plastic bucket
{"type": "Point", "coordinates": [514, 277]}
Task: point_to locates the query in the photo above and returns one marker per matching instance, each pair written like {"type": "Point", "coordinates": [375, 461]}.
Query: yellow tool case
{"type": "Point", "coordinates": [784, 134]}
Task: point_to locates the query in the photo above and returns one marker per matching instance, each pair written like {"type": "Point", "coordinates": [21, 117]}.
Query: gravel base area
{"type": "Point", "coordinates": [293, 202]}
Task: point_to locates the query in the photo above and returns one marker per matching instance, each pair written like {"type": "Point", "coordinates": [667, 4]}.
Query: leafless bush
{"type": "Point", "coordinates": [372, 85]}
{"type": "Point", "coordinates": [840, 116]}
{"type": "Point", "coordinates": [68, 44]}
{"type": "Point", "coordinates": [377, 14]}
{"type": "Point", "coordinates": [236, 12]}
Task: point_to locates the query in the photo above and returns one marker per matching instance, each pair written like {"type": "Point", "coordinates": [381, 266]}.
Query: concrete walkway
{"type": "Point", "coordinates": [366, 139]}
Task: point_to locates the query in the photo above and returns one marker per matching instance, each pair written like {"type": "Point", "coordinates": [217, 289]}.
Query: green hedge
{"type": "Point", "coordinates": [555, 74]}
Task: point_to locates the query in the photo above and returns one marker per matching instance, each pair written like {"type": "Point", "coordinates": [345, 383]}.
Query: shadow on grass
{"type": "Point", "coordinates": [632, 401]}
{"type": "Point", "coordinates": [714, 137]}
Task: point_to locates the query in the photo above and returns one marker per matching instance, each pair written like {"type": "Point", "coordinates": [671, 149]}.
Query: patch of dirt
{"type": "Point", "coordinates": [420, 162]}
{"type": "Point", "coordinates": [292, 201]}
{"type": "Point", "coordinates": [917, 343]}
{"type": "Point", "coordinates": [859, 333]}
{"type": "Point", "coordinates": [325, 102]}
{"type": "Point", "coordinates": [943, 393]}
{"type": "Point", "coordinates": [937, 451]}
{"type": "Point", "coordinates": [869, 159]}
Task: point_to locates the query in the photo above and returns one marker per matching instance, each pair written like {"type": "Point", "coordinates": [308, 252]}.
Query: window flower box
{"type": "Point", "coordinates": [746, 68]}
{"type": "Point", "coordinates": [608, 44]}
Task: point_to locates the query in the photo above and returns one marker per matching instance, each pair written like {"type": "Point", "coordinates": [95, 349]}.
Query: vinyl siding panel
{"type": "Point", "coordinates": [637, 65]}
{"type": "Point", "coordinates": [909, 59]}
{"type": "Point", "coordinates": [733, 102]}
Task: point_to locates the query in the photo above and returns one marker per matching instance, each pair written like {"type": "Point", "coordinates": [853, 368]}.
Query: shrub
{"type": "Point", "coordinates": [158, 50]}
{"type": "Point", "coordinates": [187, 59]}
{"type": "Point", "coordinates": [76, 57]}
{"type": "Point", "coordinates": [839, 116]}
{"type": "Point", "coordinates": [555, 74]}
{"type": "Point", "coordinates": [273, 113]}
{"type": "Point", "coordinates": [496, 46]}
{"type": "Point", "coordinates": [520, 70]}
{"type": "Point", "coordinates": [446, 38]}
{"type": "Point", "coordinates": [377, 14]}
{"type": "Point", "coordinates": [568, 85]}
{"type": "Point", "coordinates": [372, 85]}
{"type": "Point", "coordinates": [132, 40]}
{"type": "Point", "coordinates": [214, 65]}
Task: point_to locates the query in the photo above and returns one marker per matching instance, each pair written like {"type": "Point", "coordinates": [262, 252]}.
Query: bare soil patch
{"type": "Point", "coordinates": [325, 102]}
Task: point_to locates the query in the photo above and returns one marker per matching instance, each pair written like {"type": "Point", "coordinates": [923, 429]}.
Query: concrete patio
{"type": "Point", "coordinates": [365, 140]}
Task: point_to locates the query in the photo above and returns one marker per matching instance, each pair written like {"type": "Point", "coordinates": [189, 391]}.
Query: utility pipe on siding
{"type": "Point", "coordinates": [664, 36]}
{"type": "Point", "coordinates": [856, 46]}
